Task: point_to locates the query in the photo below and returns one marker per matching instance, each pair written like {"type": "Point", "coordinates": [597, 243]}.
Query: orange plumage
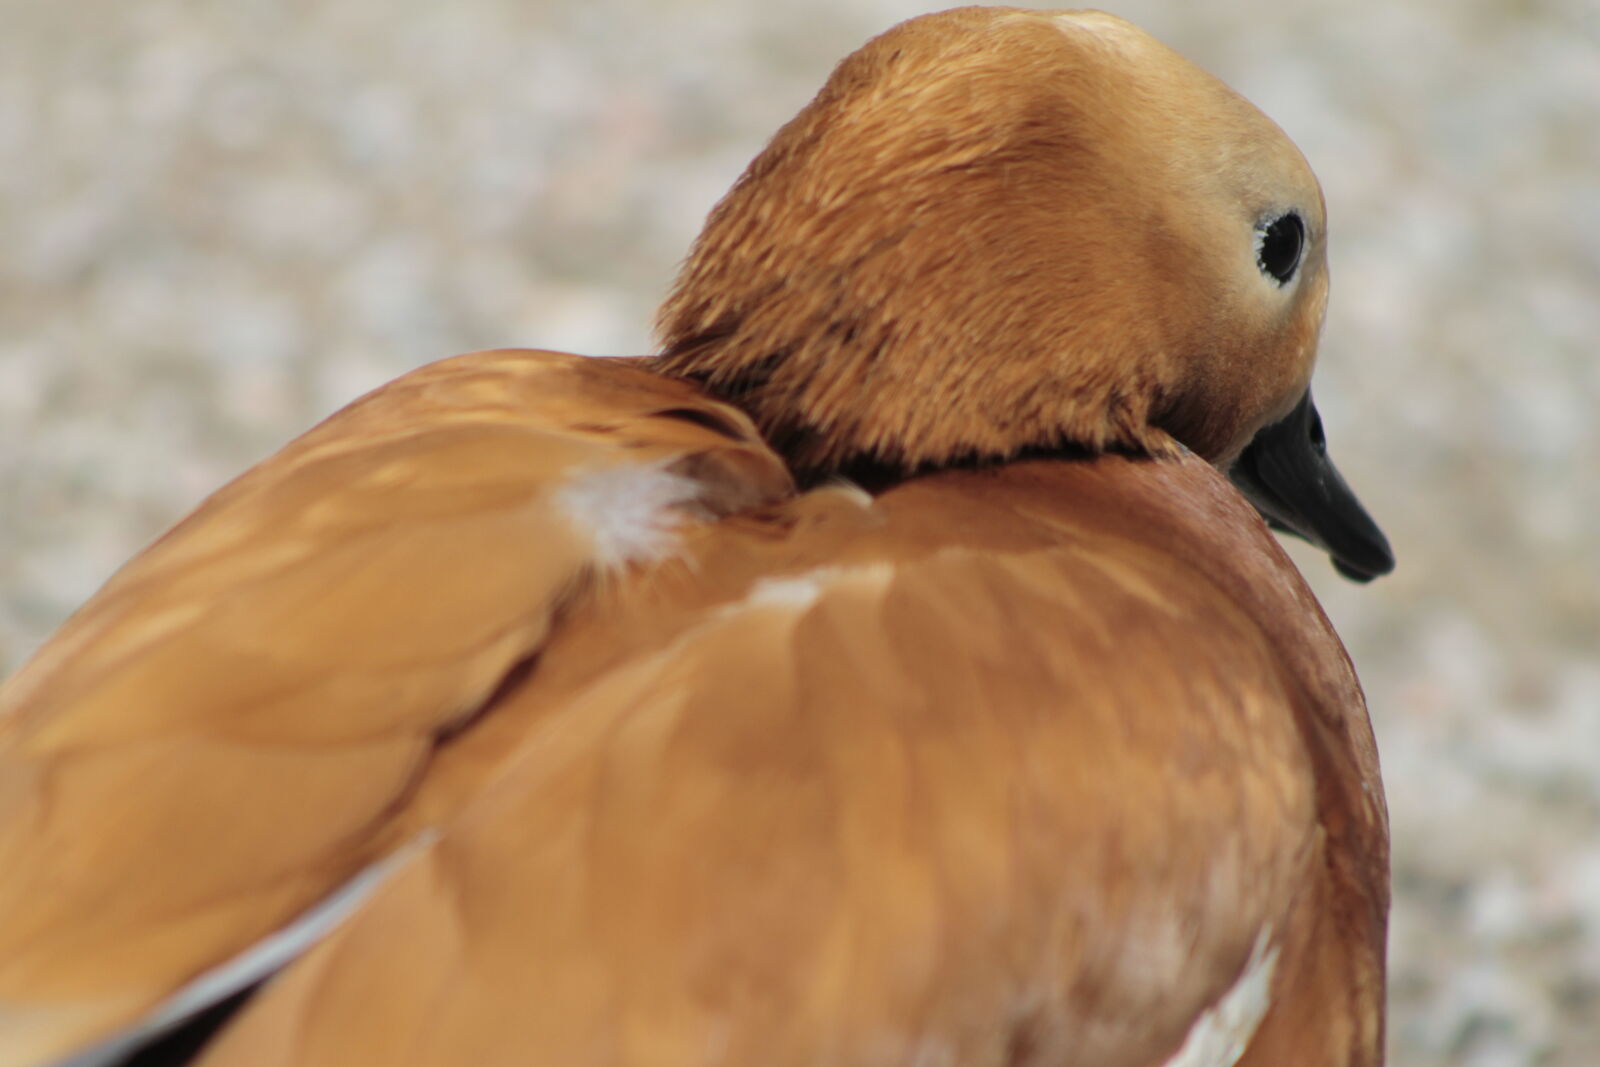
{"type": "Point", "coordinates": [526, 711]}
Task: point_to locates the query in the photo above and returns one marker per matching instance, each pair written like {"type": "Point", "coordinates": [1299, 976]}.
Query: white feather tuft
{"type": "Point", "coordinates": [1222, 1033]}
{"type": "Point", "coordinates": [630, 512]}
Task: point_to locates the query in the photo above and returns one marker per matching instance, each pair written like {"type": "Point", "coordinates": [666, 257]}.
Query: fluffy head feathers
{"type": "Point", "coordinates": [996, 230]}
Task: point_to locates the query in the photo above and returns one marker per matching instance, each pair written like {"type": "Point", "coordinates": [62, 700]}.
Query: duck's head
{"type": "Point", "coordinates": [998, 231]}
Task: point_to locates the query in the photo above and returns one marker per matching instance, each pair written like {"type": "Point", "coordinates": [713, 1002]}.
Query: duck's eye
{"type": "Point", "coordinates": [1279, 242]}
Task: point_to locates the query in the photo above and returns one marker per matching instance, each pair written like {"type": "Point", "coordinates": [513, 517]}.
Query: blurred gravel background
{"type": "Point", "coordinates": [220, 221]}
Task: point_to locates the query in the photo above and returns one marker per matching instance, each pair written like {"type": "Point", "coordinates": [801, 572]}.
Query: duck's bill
{"type": "Point", "coordinates": [1287, 475]}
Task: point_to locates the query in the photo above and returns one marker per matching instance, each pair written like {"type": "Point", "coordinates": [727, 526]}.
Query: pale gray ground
{"type": "Point", "coordinates": [220, 221]}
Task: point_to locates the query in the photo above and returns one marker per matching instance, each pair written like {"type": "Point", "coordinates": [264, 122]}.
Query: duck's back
{"type": "Point", "coordinates": [1056, 763]}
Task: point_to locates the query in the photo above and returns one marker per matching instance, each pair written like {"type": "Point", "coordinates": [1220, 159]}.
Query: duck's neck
{"type": "Point", "coordinates": [878, 396]}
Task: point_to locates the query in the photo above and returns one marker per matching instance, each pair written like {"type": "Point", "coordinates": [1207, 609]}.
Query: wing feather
{"type": "Point", "coordinates": [227, 733]}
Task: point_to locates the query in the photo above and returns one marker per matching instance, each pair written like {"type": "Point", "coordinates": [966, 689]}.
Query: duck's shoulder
{"type": "Point", "coordinates": [500, 449]}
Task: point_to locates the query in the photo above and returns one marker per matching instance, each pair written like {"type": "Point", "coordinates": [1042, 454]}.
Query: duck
{"type": "Point", "coordinates": [897, 667]}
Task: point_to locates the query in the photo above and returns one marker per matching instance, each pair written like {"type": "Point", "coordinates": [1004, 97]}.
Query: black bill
{"type": "Point", "coordinates": [1287, 475]}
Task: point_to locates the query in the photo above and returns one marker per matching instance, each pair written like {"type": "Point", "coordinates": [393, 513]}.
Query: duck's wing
{"type": "Point", "coordinates": [217, 747]}
{"type": "Point", "coordinates": [998, 769]}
